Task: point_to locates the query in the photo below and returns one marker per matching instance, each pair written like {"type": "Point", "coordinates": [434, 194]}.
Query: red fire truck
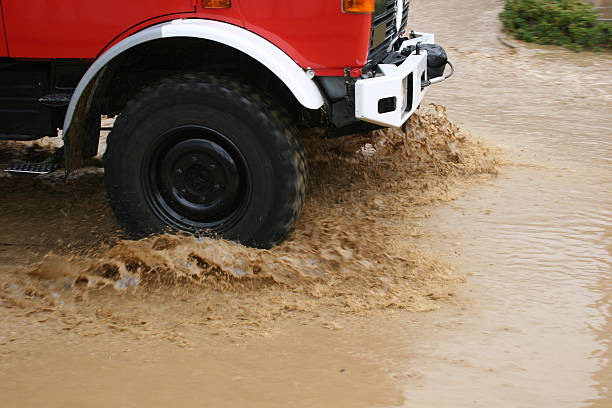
{"type": "Point", "coordinates": [210, 96]}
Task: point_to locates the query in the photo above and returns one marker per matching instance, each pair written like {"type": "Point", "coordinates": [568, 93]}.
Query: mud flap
{"type": "Point", "coordinates": [81, 139]}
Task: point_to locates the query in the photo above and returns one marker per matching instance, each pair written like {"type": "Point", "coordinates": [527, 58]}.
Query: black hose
{"type": "Point", "coordinates": [426, 83]}
{"type": "Point", "coordinates": [452, 70]}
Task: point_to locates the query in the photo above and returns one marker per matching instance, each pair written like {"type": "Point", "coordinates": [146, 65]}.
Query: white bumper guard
{"type": "Point", "coordinates": [395, 92]}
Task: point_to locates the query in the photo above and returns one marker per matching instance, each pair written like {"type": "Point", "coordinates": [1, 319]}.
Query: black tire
{"type": "Point", "coordinates": [206, 156]}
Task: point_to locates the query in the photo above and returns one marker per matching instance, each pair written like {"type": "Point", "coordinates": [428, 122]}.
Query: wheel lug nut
{"type": "Point", "coordinates": [179, 172]}
{"type": "Point", "coordinates": [213, 166]}
{"type": "Point", "coordinates": [194, 159]}
{"type": "Point", "coordinates": [217, 186]}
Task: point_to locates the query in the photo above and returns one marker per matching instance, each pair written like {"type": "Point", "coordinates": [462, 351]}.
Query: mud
{"type": "Point", "coordinates": [351, 250]}
{"type": "Point", "coordinates": [75, 290]}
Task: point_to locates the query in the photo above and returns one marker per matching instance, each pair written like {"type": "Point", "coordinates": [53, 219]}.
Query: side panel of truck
{"type": "Point", "coordinates": [315, 34]}
{"type": "Point", "coordinates": [77, 28]}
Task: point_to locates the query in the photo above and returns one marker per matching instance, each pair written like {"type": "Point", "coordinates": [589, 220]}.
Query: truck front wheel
{"type": "Point", "coordinates": [205, 156]}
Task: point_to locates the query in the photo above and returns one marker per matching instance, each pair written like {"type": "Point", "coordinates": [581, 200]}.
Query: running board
{"type": "Point", "coordinates": [25, 168]}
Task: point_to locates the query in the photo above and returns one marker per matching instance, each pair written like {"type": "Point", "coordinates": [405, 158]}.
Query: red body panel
{"type": "Point", "coordinates": [76, 28]}
{"type": "Point", "coordinates": [316, 34]}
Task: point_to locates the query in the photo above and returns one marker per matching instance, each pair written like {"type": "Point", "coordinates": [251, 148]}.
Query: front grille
{"type": "Point", "coordinates": [384, 30]}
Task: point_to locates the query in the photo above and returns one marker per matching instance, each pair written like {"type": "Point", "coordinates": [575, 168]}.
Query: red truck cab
{"type": "Point", "coordinates": [210, 96]}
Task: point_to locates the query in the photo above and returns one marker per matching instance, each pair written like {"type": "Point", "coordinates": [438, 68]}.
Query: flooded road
{"type": "Point", "coordinates": [537, 241]}
{"type": "Point", "coordinates": [386, 296]}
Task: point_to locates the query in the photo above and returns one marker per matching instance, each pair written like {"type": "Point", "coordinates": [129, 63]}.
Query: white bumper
{"type": "Point", "coordinates": [401, 82]}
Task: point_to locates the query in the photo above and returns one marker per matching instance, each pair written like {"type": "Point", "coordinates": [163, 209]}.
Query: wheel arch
{"type": "Point", "coordinates": [78, 129]}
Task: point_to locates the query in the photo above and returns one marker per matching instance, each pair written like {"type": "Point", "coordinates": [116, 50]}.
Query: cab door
{"type": "Point", "coordinates": [44, 29]}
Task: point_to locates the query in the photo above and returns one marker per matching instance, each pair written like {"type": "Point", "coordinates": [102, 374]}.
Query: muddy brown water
{"type": "Point", "coordinates": [417, 276]}
{"type": "Point", "coordinates": [537, 240]}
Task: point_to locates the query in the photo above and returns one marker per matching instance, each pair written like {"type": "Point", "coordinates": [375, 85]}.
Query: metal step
{"type": "Point", "coordinates": [56, 99]}
{"type": "Point", "coordinates": [23, 167]}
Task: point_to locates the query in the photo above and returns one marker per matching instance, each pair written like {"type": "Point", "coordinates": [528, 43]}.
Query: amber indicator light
{"type": "Point", "coordinates": [358, 6]}
{"type": "Point", "coordinates": [217, 4]}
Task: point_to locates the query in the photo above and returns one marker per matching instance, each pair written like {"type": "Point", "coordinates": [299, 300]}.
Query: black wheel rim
{"type": "Point", "coordinates": [196, 180]}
